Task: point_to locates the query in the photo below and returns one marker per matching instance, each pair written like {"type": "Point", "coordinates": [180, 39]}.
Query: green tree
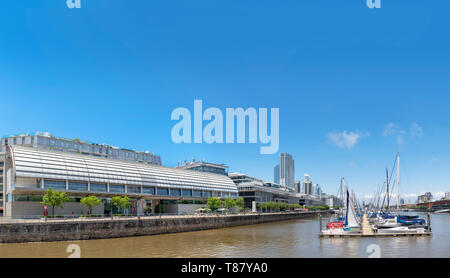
{"type": "Point", "coordinates": [240, 203]}
{"type": "Point", "coordinates": [121, 202]}
{"type": "Point", "coordinates": [54, 199]}
{"type": "Point", "coordinates": [229, 203]}
{"type": "Point", "coordinates": [90, 202]}
{"type": "Point", "coordinates": [214, 203]}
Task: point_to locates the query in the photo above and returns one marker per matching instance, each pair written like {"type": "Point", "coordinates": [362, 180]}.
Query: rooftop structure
{"type": "Point", "coordinates": [45, 140]}
{"type": "Point", "coordinates": [207, 167]}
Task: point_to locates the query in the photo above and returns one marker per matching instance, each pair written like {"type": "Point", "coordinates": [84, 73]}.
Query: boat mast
{"type": "Point", "coordinates": [398, 180]}
{"type": "Point", "coordinates": [387, 185]}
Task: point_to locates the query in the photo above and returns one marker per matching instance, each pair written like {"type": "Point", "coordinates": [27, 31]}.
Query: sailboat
{"type": "Point", "coordinates": [389, 223]}
{"type": "Point", "coordinates": [351, 224]}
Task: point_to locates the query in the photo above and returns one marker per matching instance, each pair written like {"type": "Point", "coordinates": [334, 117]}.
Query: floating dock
{"type": "Point", "coordinates": [367, 231]}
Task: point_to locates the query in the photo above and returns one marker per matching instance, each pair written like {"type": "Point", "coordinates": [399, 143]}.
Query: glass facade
{"type": "Point", "coordinates": [196, 193]}
{"type": "Point", "coordinates": [133, 189]}
{"type": "Point", "coordinates": [78, 186]}
{"type": "Point", "coordinates": [117, 188]}
{"type": "Point", "coordinates": [175, 192]}
{"type": "Point", "coordinates": [148, 190]}
{"type": "Point", "coordinates": [186, 193]}
{"type": "Point", "coordinates": [162, 191]}
{"type": "Point", "coordinates": [99, 187]}
{"type": "Point", "coordinates": [206, 194]}
{"type": "Point", "coordinates": [55, 185]}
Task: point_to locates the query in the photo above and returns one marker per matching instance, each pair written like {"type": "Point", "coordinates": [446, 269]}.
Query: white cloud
{"type": "Point", "coordinates": [391, 129]}
{"type": "Point", "coordinates": [346, 139]}
{"type": "Point", "coordinates": [394, 129]}
{"type": "Point", "coordinates": [415, 130]}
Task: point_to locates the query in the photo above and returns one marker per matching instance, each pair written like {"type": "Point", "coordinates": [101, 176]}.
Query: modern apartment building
{"type": "Point", "coordinates": [28, 172]}
{"type": "Point", "coordinates": [44, 140]}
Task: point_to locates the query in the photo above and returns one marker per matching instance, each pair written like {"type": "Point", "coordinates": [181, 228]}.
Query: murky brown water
{"type": "Point", "coordinates": [295, 238]}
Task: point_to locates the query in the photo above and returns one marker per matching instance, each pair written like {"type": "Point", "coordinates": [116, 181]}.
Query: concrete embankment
{"type": "Point", "coordinates": [107, 228]}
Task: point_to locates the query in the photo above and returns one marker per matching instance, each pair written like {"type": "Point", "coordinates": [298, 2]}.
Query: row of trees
{"type": "Point", "coordinates": [58, 198]}
{"type": "Point", "coordinates": [216, 203]}
{"type": "Point", "coordinates": [275, 206]}
{"type": "Point", "coordinates": [323, 207]}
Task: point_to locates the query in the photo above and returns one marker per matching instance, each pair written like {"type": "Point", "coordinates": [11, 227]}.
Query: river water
{"type": "Point", "coordinates": [293, 239]}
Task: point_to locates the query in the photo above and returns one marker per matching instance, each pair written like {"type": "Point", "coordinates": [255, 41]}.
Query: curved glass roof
{"type": "Point", "coordinates": [38, 163]}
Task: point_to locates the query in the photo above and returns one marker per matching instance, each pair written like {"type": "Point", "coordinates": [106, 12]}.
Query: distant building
{"type": "Point", "coordinates": [307, 185]}
{"type": "Point", "coordinates": [206, 167]}
{"type": "Point", "coordinates": [425, 198]}
{"type": "Point", "coordinates": [254, 190]}
{"type": "Point", "coordinates": [402, 201]}
{"type": "Point", "coordinates": [287, 170]}
{"type": "Point", "coordinates": [331, 201]}
{"type": "Point", "coordinates": [447, 195]}
{"type": "Point", "coordinates": [298, 186]}
{"type": "Point", "coordinates": [276, 174]}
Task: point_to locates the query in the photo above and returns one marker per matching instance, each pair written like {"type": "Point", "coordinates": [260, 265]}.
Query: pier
{"type": "Point", "coordinates": [367, 231]}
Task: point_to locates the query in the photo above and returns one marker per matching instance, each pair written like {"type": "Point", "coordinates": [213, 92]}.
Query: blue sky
{"type": "Point", "coordinates": [114, 70]}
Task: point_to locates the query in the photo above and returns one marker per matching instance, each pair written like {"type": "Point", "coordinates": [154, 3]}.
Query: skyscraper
{"type": "Point", "coordinates": [276, 174]}
{"type": "Point", "coordinates": [307, 185]}
{"type": "Point", "coordinates": [287, 170]}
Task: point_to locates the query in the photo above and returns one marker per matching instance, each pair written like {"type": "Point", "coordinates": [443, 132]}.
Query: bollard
{"type": "Point", "coordinates": [428, 222]}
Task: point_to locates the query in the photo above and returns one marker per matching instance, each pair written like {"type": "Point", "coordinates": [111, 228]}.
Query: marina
{"type": "Point", "coordinates": [375, 219]}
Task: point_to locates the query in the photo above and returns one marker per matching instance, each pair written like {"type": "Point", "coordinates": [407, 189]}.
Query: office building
{"type": "Point", "coordinates": [29, 172]}
{"type": "Point", "coordinates": [298, 186]}
{"type": "Point", "coordinates": [307, 185]}
{"type": "Point", "coordinates": [276, 174]}
{"type": "Point", "coordinates": [286, 170]}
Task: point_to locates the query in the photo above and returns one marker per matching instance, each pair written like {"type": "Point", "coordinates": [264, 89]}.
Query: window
{"type": "Point", "coordinates": [133, 189]}
{"type": "Point", "coordinates": [55, 185]}
{"type": "Point", "coordinates": [117, 188]}
{"type": "Point", "coordinates": [78, 186]}
{"type": "Point", "coordinates": [148, 190]}
{"type": "Point", "coordinates": [174, 192]}
{"type": "Point", "coordinates": [162, 191]}
{"type": "Point", "coordinates": [206, 193]}
{"type": "Point", "coordinates": [98, 187]}
{"type": "Point", "coordinates": [196, 193]}
{"type": "Point", "coordinates": [186, 192]}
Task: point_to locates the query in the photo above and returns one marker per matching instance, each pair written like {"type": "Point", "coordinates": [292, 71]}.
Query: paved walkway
{"type": "Point", "coordinates": [366, 229]}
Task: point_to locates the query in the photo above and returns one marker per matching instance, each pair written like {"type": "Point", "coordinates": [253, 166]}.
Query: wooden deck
{"type": "Point", "coordinates": [366, 229]}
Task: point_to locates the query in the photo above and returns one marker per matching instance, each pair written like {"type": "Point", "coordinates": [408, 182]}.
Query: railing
{"type": "Point", "coordinates": [104, 217]}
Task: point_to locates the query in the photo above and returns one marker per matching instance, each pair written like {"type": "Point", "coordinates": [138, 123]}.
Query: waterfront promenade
{"type": "Point", "coordinates": [31, 230]}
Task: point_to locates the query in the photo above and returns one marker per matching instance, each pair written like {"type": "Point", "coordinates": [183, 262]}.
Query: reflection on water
{"type": "Point", "coordinates": [295, 238]}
